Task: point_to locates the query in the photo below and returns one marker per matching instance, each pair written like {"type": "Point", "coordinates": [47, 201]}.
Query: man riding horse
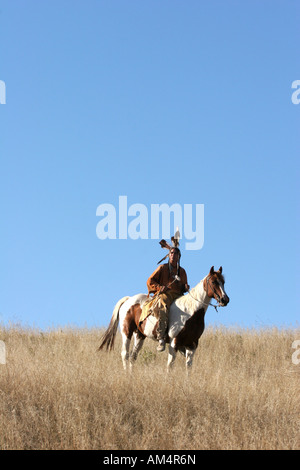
{"type": "Point", "coordinates": [186, 314]}
{"type": "Point", "coordinates": [167, 283]}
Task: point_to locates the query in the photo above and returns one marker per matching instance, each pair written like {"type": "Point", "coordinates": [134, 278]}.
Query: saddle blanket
{"type": "Point", "coordinates": [147, 308]}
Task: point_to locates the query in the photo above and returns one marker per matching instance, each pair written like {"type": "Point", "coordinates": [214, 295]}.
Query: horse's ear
{"type": "Point", "coordinates": [220, 270]}
{"type": "Point", "coordinates": [212, 270]}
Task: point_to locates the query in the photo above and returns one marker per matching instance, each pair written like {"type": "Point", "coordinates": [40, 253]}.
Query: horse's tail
{"type": "Point", "coordinates": [108, 338]}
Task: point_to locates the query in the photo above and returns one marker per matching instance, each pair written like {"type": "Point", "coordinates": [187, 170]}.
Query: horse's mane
{"type": "Point", "coordinates": [191, 301]}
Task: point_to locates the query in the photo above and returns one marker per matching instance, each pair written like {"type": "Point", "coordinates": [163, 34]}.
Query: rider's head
{"type": "Point", "coordinates": [174, 256]}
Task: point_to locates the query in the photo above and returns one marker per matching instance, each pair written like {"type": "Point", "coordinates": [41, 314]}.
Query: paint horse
{"type": "Point", "coordinates": [186, 320]}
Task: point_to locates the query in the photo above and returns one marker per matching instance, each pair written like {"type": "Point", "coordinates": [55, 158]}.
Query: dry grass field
{"type": "Point", "coordinates": [57, 392]}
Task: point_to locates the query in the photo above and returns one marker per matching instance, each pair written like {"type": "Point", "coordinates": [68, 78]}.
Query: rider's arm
{"type": "Point", "coordinates": [154, 281]}
{"type": "Point", "coordinates": [183, 278]}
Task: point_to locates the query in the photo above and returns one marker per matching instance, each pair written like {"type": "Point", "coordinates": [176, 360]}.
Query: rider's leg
{"type": "Point", "coordinates": [163, 306]}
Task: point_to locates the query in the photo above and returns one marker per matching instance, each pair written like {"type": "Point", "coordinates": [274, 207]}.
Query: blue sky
{"type": "Point", "coordinates": [163, 102]}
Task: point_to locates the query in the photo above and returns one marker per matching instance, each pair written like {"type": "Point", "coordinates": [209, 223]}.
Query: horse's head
{"type": "Point", "coordinates": [214, 286]}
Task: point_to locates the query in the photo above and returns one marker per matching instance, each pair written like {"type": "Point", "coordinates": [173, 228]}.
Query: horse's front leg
{"type": "Point", "coordinates": [171, 356]}
{"type": "Point", "coordinates": [189, 356]}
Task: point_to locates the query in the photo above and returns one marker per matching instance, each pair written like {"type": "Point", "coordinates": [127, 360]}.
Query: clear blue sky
{"type": "Point", "coordinates": [164, 102]}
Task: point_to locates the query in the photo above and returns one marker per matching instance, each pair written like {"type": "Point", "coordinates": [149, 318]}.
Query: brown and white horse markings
{"type": "Point", "coordinates": [186, 320]}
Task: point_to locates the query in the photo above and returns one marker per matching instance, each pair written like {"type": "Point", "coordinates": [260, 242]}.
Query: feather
{"type": "Point", "coordinates": [163, 259]}
{"type": "Point", "coordinates": [175, 242]}
{"type": "Point", "coordinates": [177, 234]}
{"type": "Point", "coordinates": [164, 244]}
{"type": "Point", "coordinates": [176, 238]}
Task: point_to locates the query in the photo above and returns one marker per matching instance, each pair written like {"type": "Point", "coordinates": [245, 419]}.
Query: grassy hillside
{"type": "Point", "coordinates": [57, 392]}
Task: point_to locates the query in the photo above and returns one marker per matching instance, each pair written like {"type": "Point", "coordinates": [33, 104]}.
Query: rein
{"type": "Point", "coordinates": [209, 303]}
{"type": "Point", "coordinates": [205, 303]}
{"type": "Point", "coordinates": [197, 300]}
{"type": "Point", "coordinates": [156, 295]}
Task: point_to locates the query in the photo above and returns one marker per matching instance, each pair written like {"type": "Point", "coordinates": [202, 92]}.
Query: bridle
{"type": "Point", "coordinates": [218, 299]}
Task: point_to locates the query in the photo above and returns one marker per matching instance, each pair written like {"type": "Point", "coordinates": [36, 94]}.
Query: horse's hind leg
{"type": "Point", "coordinates": [138, 344]}
{"type": "Point", "coordinates": [125, 350]}
{"type": "Point", "coordinates": [171, 355]}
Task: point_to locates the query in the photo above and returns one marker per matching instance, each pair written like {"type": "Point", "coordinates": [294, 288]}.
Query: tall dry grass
{"type": "Point", "coordinates": [57, 392]}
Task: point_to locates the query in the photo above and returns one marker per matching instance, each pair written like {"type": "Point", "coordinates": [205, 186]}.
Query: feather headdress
{"type": "Point", "coordinates": [175, 243]}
